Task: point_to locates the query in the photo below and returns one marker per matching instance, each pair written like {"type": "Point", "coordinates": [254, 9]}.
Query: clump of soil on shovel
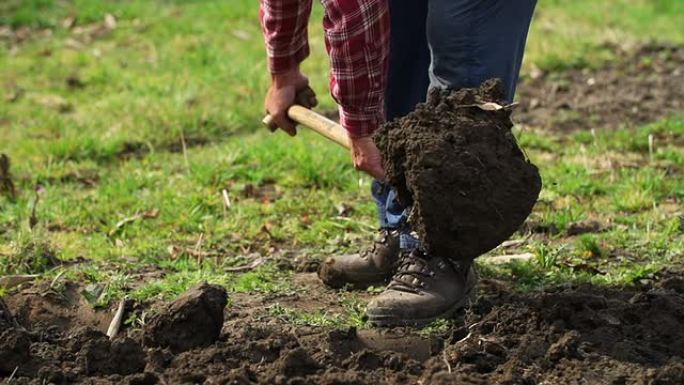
{"type": "Point", "coordinates": [456, 162]}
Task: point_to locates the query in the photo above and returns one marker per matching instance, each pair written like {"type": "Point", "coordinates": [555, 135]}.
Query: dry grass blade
{"type": "Point", "coordinates": [501, 259]}
{"type": "Point", "coordinates": [154, 213]}
{"type": "Point", "coordinates": [251, 266]}
{"type": "Point", "coordinates": [226, 199]}
{"type": "Point", "coordinates": [11, 281]}
{"type": "Point", "coordinates": [11, 377]}
{"type": "Point", "coordinates": [446, 360]}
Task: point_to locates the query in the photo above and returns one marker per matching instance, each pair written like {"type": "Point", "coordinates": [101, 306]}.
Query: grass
{"type": "Point", "coordinates": [134, 134]}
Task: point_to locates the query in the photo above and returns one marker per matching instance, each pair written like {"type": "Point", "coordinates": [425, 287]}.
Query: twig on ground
{"type": "Point", "coordinates": [513, 243]}
{"type": "Point", "coordinates": [115, 325]}
{"type": "Point", "coordinates": [175, 251]}
{"type": "Point", "coordinates": [33, 219]}
{"type": "Point", "coordinates": [11, 377]}
{"type": "Point", "coordinates": [198, 248]}
{"type": "Point", "coordinates": [240, 269]}
{"type": "Point", "coordinates": [198, 245]}
{"type": "Point", "coordinates": [470, 333]}
{"type": "Point", "coordinates": [11, 281]}
{"type": "Point", "coordinates": [446, 360]}
{"type": "Point", "coordinates": [154, 213]}
{"type": "Point", "coordinates": [57, 277]}
{"type": "Point", "coordinates": [650, 147]}
{"type": "Point", "coordinates": [185, 151]}
{"type": "Point", "coordinates": [502, 259]}
{"type": "Point", "coordinates": [226, 201]}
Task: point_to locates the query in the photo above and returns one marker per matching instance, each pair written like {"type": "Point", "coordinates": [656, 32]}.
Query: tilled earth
{"type": "Point", "coordinates": [562, 335]}
{"type": "Point", "coordinates": [569, 335]}
{"type": "Point", "coordinates": [641, 86]}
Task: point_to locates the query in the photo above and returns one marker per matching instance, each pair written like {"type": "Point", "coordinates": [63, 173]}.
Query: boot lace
{"type": "Point", "coordinates": [412, 270]}
{"type": "Point", "coordinates": [382, 239]}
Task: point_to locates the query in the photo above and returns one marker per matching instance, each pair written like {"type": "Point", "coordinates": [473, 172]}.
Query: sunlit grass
{"type": "Point", "coordinates": [162, 114]}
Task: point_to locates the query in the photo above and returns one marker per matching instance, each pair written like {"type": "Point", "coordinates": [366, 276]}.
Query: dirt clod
{"type": "Point", "coordinates": [99, 355]}
{"type": "Point", "coordinates": [298, 362]}
{"type": "Point", "coordinates": [14, 349]}
{"type": "Point", "coordinates": [459, 165]}
{"type": "Point", "coordinates": [6, 317]}
{"type": "Point", "coordinates": [193, 320]}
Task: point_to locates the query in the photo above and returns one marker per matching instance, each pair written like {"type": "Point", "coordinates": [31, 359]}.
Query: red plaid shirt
{"type": "Point", "coordinates": [357, 40]}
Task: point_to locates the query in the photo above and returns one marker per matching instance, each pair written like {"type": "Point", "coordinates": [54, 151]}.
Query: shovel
{"type": "Point", "coordinates": [317, 123]}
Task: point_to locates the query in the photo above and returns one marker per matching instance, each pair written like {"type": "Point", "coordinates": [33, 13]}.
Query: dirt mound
{"type": "Point", "coordinates": [193, 320]}
{"type": "Point", "coordinates": [570, 336]}
{"type": "Point", "coordinates": [460, 167]}
{"type": "Point", "coordinates": [56, 311]}
{"type": "Point", "coordinates": [645, 85]}
{"type": "Point", "coordinates": [96, 354]}
{"type": "Point", "coordinates": [559, 336]}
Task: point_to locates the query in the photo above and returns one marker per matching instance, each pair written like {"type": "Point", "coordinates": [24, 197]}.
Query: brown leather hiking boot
{"type": "Point", "coordinates": [423, 289]}
{"type": "Point", "coordinates": [373, 266]}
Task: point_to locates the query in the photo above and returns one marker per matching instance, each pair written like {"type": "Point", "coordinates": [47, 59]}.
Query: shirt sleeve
{"type": "Point", "coordinates": [357, 40]}
{"type": "Point", "coordinates": [284, 24]}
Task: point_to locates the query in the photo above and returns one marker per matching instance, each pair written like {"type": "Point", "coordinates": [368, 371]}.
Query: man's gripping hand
{"type": "Point", "coordinates": [366, 157]}
{"type": "Point", "coordinates": [288, 88]}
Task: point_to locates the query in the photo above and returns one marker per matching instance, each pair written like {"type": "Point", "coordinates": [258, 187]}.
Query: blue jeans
{"type": "Point", "coordinates": [447, 44]}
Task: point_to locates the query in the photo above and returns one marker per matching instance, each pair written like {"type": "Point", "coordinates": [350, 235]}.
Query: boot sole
{"type": "Point", "coordinates": [389, 321]}
{"type": "Point", "coordinates": [336, 280]}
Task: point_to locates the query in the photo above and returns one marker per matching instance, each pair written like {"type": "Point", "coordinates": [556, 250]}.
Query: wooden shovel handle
{"type": "Point", "coordinates": [316, 122]}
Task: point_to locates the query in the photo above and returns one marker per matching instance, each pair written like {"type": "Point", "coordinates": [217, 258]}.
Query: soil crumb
{"type": "Point", "coordinates": [460, 167]}
{"type": "Point", "coordinates": [193, 320]}
{"type": "Point", "coordinates": [642, 86]}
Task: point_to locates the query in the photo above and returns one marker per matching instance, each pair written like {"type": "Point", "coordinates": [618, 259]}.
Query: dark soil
{"type": "Point", "coordinates": [581, 335]}
{"type": "Point", "coordinates": [642, 86]}
{"type": "Point", "coordinates": [461, 170]}
{"type": "Point", "coordinates": [193, 320]}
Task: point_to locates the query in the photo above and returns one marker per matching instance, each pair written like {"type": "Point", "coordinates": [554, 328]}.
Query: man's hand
{"type": "Point", "coordinates": [367, 158]}
{"type": "Point", "coordinates": [286, 89]}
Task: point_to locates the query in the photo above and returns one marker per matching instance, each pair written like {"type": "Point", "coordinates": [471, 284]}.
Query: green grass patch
{"type": "Point", "coordinates": [136, 134]}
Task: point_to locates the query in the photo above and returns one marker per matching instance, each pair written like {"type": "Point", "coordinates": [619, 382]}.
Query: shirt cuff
{"type": "Point", "coordinates": [281, 64]}
{"type": "Point", "coordinates": [360, 123]}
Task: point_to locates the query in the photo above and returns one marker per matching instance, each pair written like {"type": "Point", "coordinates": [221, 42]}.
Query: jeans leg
{"type": "Point", "coordinates": [475, 40]}
{"type": "Point", "coordinates": [409, 58]}
{"type": "Point", "coordinates": [391, 213]}
{"type": "Point", "coordinates": [407, 84]}
{"type": "Point", "coordinates": [380, 191]}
